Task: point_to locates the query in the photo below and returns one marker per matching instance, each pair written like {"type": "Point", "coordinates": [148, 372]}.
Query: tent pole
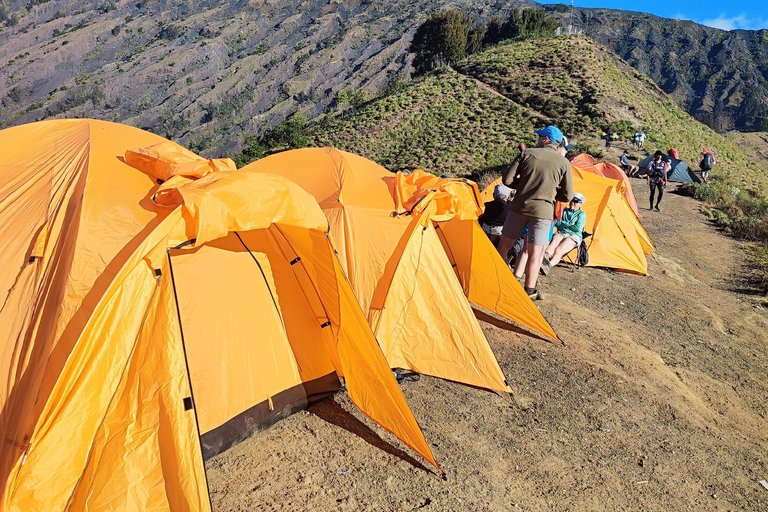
{"type": "Point", "coordinates": [189, 376]}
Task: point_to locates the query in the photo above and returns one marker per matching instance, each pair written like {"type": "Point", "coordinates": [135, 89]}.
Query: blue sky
{"type": "Point", "coordinates": [746, 14]}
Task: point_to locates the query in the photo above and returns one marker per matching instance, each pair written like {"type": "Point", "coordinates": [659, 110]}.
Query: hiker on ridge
{"type": "Point", "coordinates": [639, 138]}
{"type": "Point", "coordinates": [630, 169]}
{"type": "Point", "coordinates": [706, 165]}
{"type": "Point", "coordinates": [608, 138]}
{"type": "Point", "coordinates": [569, 233]}
{"type": "Point", "coordinates": [657, 176]}
{"type": "Point", "coordinates": [540, 176]}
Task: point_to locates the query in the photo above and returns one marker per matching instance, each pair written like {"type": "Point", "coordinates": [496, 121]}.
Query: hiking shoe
{"type": "Point", "coordinates": [657, 208]}
{"type": "Point", "coordinates": [545, 268]}
{"type": "Point", "coordinates": [535, 295]}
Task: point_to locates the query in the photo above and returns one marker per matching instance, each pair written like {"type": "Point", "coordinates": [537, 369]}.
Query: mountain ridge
{"type": "Point", "coordinates": [205, 73]}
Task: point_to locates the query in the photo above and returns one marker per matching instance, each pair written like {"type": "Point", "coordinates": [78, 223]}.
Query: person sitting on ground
{"type": "Point", "coordinates": [657, 176]}
{"type": "Point", "coordinates": [627, 167]}
{"type": "Point", "coordinates": [706, 165]}
{"type": "Point", "coordinates": [568, 235]}
{"type": "Point", "coordinates": [492, 219]}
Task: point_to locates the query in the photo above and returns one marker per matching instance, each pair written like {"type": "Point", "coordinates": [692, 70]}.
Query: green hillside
{"type": "Point", "coordinates": [470, 119]}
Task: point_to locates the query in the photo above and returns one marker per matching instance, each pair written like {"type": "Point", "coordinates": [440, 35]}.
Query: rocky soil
{"type": "Point", "coordinates": [655, 401]}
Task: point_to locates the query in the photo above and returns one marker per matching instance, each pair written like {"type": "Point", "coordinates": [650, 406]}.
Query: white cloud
{"type": "Point", "coordinates": [741, 21]}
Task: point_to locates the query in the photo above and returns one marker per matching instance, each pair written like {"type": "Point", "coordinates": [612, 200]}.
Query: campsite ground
{"type": "Point", "coordinates": [655, 401]}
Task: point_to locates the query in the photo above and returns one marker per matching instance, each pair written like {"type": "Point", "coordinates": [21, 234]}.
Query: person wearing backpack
{"type": "Point", "coordinates": [657, 176]}
{"type": "Point", "coordinates": [706, 165]}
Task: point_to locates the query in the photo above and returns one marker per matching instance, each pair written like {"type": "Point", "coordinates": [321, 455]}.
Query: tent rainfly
{"type": "Point", "coordinates": [679, 170]}
{"type": "Point", "coordinates": [403, 240]}
{"type": "Point", "coordinates": [147, 327]}
{"type": "Point", "coordinates": [608, 170]}
{"type": "Point", "coordinates": [619, 240]}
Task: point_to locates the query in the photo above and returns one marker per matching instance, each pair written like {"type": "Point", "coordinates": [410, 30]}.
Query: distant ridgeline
{"type": "Point", "coordinates": [719, 77]}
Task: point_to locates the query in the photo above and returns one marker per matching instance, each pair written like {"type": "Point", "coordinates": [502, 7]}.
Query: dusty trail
{"type": "Point", "coordinates": [656, 401]}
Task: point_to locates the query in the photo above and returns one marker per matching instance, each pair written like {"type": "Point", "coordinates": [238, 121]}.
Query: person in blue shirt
{"type": "Point", "coordinates": [627, 167]}
{"type": "Point", "coordinates": [568, 236]}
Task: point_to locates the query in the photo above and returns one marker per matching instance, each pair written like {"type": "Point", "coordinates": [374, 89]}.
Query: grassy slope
{"type": "Point", "coordinates": [444, 122]}
{"type": "Point", "coordinates": [469, 120]}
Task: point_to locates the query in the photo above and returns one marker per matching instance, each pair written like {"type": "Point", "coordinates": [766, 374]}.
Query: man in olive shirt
{"type": "Point", "coordinates": [540, 176]}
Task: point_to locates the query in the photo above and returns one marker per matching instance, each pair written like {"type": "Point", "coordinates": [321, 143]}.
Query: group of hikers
{"type": "Point", "coordinates": [657, 171]}
{"type": "Point", "coordinates": [521, 221]}
{"type": "Point", "coordinates": [638, 138]}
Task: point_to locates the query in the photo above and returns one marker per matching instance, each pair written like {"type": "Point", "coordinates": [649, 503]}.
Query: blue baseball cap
{"type": "Point", "coordinates": [553, 133]}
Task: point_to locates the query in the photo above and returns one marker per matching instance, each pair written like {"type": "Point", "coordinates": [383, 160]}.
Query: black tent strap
{"type": "Point", "coordinates": [184, 244]}
{"type": "Point", "coordinates": [295, 260]}
{"type": "Point", "coordinates": [326, 324]}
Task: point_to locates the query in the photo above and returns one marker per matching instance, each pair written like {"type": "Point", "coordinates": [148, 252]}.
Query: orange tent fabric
{"type": "Point", "coordinates": [131, 344]}
{"type": "Point", "coordinates": [394, 260]}
{"type": "Point", "coordinates": [587, 163]}
{"type": "Point", "coordinates": [486, 194]}
{"type": "Point", "coordinates": [619, 240]}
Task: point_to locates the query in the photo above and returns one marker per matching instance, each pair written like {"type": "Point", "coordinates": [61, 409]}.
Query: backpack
{"type": "Point", "coordinates": [657, 170]}
{"type": "Point", "coordinates": [707, 163]}
{"type": "Point", "coordinates": [582, 256]}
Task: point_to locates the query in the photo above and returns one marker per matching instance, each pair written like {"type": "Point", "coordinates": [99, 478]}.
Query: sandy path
{"type": "Point", "coordinates": [657, 401]}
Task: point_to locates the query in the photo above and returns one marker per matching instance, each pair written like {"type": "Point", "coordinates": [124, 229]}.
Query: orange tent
{"type": "Point", "coordinates": [619, 240]}
{"type": "Point", "coordinates": [396, 261]}
{"type": "Point", "coordinates": [608, 170]}
{"type": "Point", "coordinates": [486, 194]}
{"type": "Point", "coordinates": [147, 327]}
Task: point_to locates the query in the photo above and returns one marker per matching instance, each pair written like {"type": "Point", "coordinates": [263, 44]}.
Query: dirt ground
{"type": "Point", "coordinates": [656, 401]}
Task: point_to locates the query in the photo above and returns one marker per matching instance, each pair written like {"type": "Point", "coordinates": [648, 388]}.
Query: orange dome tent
{"type": "Point", "coordinates": [147, 327]}
{"type": "Point", "coordinates": [608, 170]}
{"type": "Point", "coordinates": [393, 232]}
{"type": "Point", "coordinates": [619, 240]}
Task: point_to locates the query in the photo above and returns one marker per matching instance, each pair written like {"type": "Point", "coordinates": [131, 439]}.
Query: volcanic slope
{"type": "Point", "coordinates": [470, 118]}
{"type": "Point", "coordinates": [201, 72]}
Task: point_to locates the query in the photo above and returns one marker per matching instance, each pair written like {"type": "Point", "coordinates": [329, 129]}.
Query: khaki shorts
{"type": "Point", "coordinates": [538, 229]}
{"type": "Point", "coordinates": [576, 239]}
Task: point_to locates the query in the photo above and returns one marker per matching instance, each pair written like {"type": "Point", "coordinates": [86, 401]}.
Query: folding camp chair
{"type": "Point", "coordinates": [576, 264]}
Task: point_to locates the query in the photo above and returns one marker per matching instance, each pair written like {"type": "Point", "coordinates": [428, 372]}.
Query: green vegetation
{"type": "Point", "coordinates": [289, 134]}
{"type": "Point", "coordinates": [742, 214]}
{"type": "Point", "coordinates": [448, 36]}
{"type": "Point", "coordinates": [469, 121]}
